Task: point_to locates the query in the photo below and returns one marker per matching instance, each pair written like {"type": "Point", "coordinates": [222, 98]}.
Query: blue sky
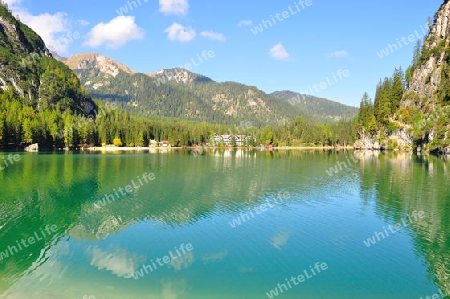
{"type": "Point", "coordinates": [336, 43]}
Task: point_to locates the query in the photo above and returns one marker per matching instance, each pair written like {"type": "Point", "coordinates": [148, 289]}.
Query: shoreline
{"type": "Point", "coordinates": [206, 148]}
{"type": "Point", "coordinates": [125, 148]}
{"type": "Point", "coordinates": [315, 147]}
{"type": "Point", "coordinates": [140, 149]}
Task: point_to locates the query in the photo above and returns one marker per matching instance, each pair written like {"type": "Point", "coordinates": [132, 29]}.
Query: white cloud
{"type": "Point", "coordinates": [213, 35]}
{"type": "Point", "coordinates": [245, 23]}
{"type": "Point", "coordinates": [342, 53]}
{"type": "Point", "coordinates": [174, 7]}
{"type": "Point", "coordinates": [279, 52]}
{"type": "Point", "coordinates": [180, 33]}
{"type": "Point", "coordinates": [114, 34]}
{"type": "Point", "coordinates": [55, 29]}
{"type": "Point", "coordinates": [83, 22]}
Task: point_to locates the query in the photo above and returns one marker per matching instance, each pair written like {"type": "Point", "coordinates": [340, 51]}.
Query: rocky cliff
{"type": "Point", "coordinates": [429, 88]}
{"type": "Point", "coordinates": [422, 121]}
{"type": "Point", "coordinates": [18, 43]}
{"type": "Point", "coordinates": [427, 77]}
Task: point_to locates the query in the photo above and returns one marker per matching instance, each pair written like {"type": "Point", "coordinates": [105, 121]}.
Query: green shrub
{"type": "Point", "coordinates": [392, 144]}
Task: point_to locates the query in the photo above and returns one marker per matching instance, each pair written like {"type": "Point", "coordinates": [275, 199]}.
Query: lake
{"type": "Point", "coordinates": [225, 224]}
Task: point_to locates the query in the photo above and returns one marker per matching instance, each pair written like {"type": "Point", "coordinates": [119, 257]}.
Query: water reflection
{"type": "Point", "coordinates": [198, 191]}
{"type": "Point", "coordinates": [118, 261]}
{"type": "Point", "coordinates": [401, 183]}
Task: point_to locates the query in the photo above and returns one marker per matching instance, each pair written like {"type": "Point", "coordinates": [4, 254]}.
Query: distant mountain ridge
{"type": "Point", "coordinates": [318, 106]}
{"type": "Point", "coordinates": [179, 93]}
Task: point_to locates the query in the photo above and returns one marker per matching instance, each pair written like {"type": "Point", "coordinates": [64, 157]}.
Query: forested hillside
{"type": "Point", "coordinates": [322, 109]}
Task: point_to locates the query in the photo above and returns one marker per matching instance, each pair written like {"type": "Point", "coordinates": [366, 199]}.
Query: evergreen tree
{"type": "Point", "coordinates": [366, 117]}
{"type": "Point", "coordinates": [397, 89]}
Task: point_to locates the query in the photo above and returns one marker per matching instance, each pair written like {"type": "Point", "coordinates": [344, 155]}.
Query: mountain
{"type": "Point", "coordinates": [178, 93]}
{"type": "Point", "coordinates": [39, 96]}
{"type": "Point", "coordinates": [27, 68]}
{"type": "Point", "coordinates": [104, 65]}
{"type": "Point", "coordinates": [412, 110]}
{"type": "Point", "coordinates": [323, 108]}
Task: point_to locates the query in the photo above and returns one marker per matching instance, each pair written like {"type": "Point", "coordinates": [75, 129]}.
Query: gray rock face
{"type": "Point", "coordinates": [403, 138]}
{"type": "Point", "coordinates": [367, 143]}
{"type": "Point", "coordinates": [427, 77]}
{"type": "Point", "coordinates": [398, 140]}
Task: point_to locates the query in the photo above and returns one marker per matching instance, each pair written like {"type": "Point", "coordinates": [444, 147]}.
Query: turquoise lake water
{"type": "Point", "coordinates": [226, 224]}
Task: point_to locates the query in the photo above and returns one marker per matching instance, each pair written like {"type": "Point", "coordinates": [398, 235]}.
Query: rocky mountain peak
{"type": "Point", "coordinates": [179, 75]}
{"type": "Point", "coordinates": [95, 61]}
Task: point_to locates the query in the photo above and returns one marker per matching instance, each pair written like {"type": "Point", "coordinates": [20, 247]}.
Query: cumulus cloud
{"type": "Point", "coordinates": [342, 53]}
{"type": "Point", "coordinates": [114, 34]}
{"type": "Point", "coordinates": [180, 33]}
{"type": "Point", "coordinates": [213, 35]}
{"type": "Point", "coordinates": [174, 7]}
{"type": "Point", "coordinates": [279, 52]}
{"type": "Point", "coordinates": [55, 29]}
{"type": "Point", "coordinates": [245, 23]}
